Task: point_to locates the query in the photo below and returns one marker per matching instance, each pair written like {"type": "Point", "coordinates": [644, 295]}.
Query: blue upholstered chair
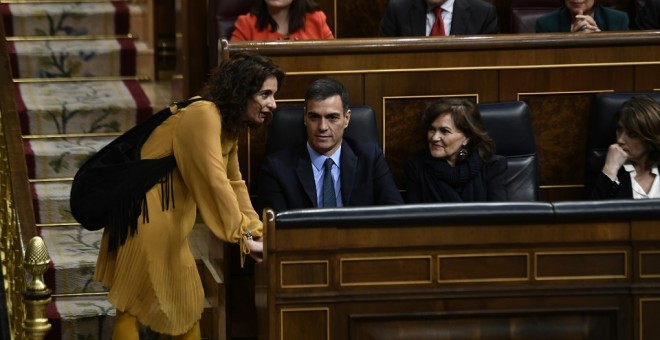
{"type": "Point", "coordinates": [287, 129]}
{"type": "Point", "coordinates": [510, 126]}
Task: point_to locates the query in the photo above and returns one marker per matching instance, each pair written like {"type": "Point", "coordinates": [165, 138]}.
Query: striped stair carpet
{"type": "Point", "coordinates": [78, 72]}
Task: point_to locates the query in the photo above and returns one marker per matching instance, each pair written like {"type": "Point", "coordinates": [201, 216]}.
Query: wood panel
{"type": "Point", "coordinates": [359, 19]}
{"type": "Point", "coordinates": [557, 75]}
{"type": "Point", "coordinates": [596, 324]}
{"type": "Point", "coordinates": [649, 309]}
{"type": "Point", "coordinates": [561, 279]}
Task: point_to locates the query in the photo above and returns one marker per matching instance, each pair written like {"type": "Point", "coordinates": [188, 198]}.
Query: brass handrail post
{"type": "Point", "coordinates": [37, 296]}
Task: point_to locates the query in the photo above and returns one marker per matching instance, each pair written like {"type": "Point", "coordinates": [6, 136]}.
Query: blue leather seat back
{"type": "Point", "coordinates": [226, 13]}
{"type": "Point", "coordinates": [510, 126]}
{"type": "Point", "coordinates": [287, 128]}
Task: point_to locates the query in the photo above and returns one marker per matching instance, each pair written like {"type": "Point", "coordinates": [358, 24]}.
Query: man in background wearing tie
{"type": "Point", "coordinates": [328, 170]}
{"type": "Point", "coordinates": [409, 18]}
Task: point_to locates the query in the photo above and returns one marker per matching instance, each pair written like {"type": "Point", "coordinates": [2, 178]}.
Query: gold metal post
{"type": "Point", "coordinates": [37, 295]}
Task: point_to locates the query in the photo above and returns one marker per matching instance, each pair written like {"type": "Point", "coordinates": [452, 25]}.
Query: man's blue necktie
{"type": "Point", "coordinates": [329, 198]}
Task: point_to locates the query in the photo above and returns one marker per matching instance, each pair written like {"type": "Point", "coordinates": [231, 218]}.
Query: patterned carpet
{"type": "Point", "coordinates": [78, 84]}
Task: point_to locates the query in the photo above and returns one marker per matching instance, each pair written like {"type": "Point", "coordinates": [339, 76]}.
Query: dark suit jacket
{"type": "Point", "coordinates": [598, 186]}
{"type": "Point", "coordinates": [286, 180]}
{"type": "Point", "coordinates": [648, 17]}
{"type": "Point", "coordinates": [407, 18]}
{"type": "Point", "coordinates": [559, 20]}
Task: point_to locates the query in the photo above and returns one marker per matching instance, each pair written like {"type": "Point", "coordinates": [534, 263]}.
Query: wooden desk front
{"type": "Point", "coordinates": [514, 275]}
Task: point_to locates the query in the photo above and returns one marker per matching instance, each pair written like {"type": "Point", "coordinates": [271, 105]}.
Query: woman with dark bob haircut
{"type": "Point", "coordinates": [630, 167]}
{"type": "Point", "coordinates": [458, 163]}
{"type": "Point", "coordinates": [282, 20]}
{"type": "Point", "coordinates": [152, 276]}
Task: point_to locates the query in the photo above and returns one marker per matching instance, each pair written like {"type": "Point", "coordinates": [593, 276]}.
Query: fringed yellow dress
{"type": "Point", "coordinates": [153, 275]}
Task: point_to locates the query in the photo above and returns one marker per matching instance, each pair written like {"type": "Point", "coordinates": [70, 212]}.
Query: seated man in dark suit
{"type": "Point", "coordinates": [329, 170]}
{"type": "Point", "coordinates": [406, 18]}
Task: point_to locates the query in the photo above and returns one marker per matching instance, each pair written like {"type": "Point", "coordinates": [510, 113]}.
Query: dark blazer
{"type": "Point", "coordinates": [407, 18]}
{"type": "Point", "coordinates": [559, 20]}
{"type": "Point", "coordinates": [598, 186]}
{"type": "Point", "coordinates": [286, 179]}
{"type": "Point", "coordinates": [489, 183]}
{"type": "Point", "coordinates": [648, 17]}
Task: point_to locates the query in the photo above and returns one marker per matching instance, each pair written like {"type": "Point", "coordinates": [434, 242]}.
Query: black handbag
{"type": "Point", "coordinates": [109, 190]}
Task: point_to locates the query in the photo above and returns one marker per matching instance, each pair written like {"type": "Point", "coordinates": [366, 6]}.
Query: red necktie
{"type": "Point", "coordinates": [439, 25]}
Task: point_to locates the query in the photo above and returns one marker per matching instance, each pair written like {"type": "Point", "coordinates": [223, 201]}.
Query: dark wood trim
{"type": "Point", "coordinates": [194, 49]}
{"type": "Point", "coordinates": [452, 43]}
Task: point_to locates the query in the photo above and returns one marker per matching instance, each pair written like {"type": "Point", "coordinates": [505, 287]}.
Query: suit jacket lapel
{"type": "Point", "coordinates": [348, 169]}
{"type": "Point", "coordinates": [460, 18]}
{"type": "Point", "coordinates": [417, 17]}
{"type": "Point", "coordinates": [306, 176]}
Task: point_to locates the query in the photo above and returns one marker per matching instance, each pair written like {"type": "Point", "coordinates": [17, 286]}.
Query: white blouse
{"type": "Point", "coordinates": [637, 191]}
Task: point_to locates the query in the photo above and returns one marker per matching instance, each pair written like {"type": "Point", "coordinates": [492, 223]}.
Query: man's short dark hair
{"type": "Point", "coordinates": [325, 88]}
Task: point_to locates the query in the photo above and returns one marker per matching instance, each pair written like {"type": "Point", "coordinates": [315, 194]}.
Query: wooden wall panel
{"type": "Point", "coordinates": [646, 78]}
{"type": "Point", "coordinates": [649, 309]}
{"type": "Point", "coordinates": [329, 8]}
{"type": "Point", "coordinates": [560, 80]}
{"type": "Point", "coordinates": [596, 325]}
{"type": "Point", "coordinates": [304, 274]}
{"type": "Point", "coordinates": [305, 323]}
{"type": "Point", "coordinates": [558, 144]}
{"type": "Point", "coordinates": [560, 100]}
{"type": "Point", "coordinates": [385, 270]}
{"type": "Point", "coordinates": [584, 265]}
{"type": "Point", "coordinates": [359, 18]}
{"type": "Point", "coordinates": [557, 77]}
{"type": "Point", "coordinates": [649, 264]}
{"type": "Point", "coordinates": [487, 267]}
{"type": "Point", "coordinates": [569, 279]}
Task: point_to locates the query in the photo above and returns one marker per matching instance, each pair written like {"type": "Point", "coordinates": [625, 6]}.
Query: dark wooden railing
{"type": "Point", "coordinates": [16, 210]}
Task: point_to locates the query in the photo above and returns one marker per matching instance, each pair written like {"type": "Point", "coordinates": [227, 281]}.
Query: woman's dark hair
{"type": "Point", "coordinates": [467, 119]}
{"type": "Point", "coordinates": [234, 82]}
{"type": "Point", "coordinates": [640, 115]}
{"type": "Point", "coordinates": [297, 13]}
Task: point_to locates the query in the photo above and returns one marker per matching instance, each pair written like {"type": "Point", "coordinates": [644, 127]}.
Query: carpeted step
{"type": "Point", "coordinates": [73, 252]}
{"type": "Point", "coordinates": [80, 107]}
{"type": "Point", "coordinates": [80, 318]}
{"type": "Point", "coordinates": [69, 18]}
{"type": "Point", "coordinates": [90, 316]}
{"type": "Point", "coordinates": [78, 58]}
{"type": "Point", "coordinates": [54, 113]}
{"type": "Point", "coordinates": [51, 202]}
{"type": "Point", "coordinates": [60, 157]}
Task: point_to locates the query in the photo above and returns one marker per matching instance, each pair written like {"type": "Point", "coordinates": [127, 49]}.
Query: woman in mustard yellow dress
{"type": "Point", "coordinates": [152, 277]}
